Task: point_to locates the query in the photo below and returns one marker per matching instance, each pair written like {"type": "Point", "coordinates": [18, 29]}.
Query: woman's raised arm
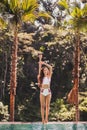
{"type": "Point", "coordinates": [49, 66]}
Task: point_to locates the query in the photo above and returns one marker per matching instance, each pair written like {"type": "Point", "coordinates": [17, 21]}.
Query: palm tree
{"type": "Point", "coordinates": [18, 11]}
{"type": "Point", "coordinates": [78, 21]}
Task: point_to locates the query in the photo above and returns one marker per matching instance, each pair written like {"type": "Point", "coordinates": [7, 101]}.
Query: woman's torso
{"type": "Point", "coordinates": [45, 89]}
{"type": "Point", "coordinates": [46, 81]}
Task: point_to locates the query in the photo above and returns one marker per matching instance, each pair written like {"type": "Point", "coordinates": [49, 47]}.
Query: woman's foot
{"type": "Point", "coordinates": [43, 122]}
{"type": "Point", "coordinates": [46, 121]}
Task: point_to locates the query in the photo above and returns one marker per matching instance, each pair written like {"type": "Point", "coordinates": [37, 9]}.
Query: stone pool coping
{"type": "Point", "coordinates": [79, 122]}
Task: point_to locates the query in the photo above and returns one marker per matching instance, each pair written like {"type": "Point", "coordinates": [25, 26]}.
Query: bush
{"type": "Point", "coordinates": [4, 116]}
{"type": "Point", "coordinates": [60, 111]}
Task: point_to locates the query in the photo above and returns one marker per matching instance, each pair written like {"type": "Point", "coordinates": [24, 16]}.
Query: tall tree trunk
{"type": "Point", "coordinates": [13, 76]}
{"type": "Point", "coordinates": [76, 69]}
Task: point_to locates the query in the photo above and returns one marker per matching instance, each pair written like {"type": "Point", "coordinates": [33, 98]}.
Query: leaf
{"type": "Point", "coordinates": [21, 9]}
{"type": "Point", "coordinates": [44, 15]}
{"type": "Point", "coordinates": [2, 23]}
{"type": "Point", "coordinates": [63, 4]}
{"type": "Point", "coordinates": [77, 13]}
{"type": "Point", "coordinates": [14, 5]}
{"type": "Point", "coordinates": [29, 5]}
{"type": "Point", "coordinates": [29, 17]}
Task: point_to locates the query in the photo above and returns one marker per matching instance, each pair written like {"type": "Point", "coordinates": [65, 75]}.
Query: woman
{"type": "Point", "coordinates": [44, 79]}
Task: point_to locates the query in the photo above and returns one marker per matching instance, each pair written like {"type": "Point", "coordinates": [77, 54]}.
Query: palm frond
{"type": "Point", "coordinates": [10, 5]}
{"type": "Point", "coordinates": [15, 5]}
{"type": "Point", "coordinates": [29, 5]}
{"type": "Point", "coordinates": [77, 13]}
{"type": "Point", "coordinates": [44, 15]}
{"type": "Point", "coordinates": [63, 4]}
{"type": "Point", "coordinates": [79, 23]}
{"type": "Point", "coordinates": [79, 18]}
{"type": "Point", "coordinates": [2, 23]}
{"type": "Point", "coordinates": [29, 17]}
{"type": "Point", "coordinates": [29, 8]}
{"type": "Point", "coordinates": [32, 16]}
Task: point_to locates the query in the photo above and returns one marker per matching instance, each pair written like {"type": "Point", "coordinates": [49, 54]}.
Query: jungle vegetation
{"type": "Point", "coordinates": [51, 28]}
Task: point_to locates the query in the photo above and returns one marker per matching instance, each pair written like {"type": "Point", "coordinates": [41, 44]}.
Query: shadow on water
{"type": "Point", "coordinates": [39, 126]}
{"type": "Point", "coordinates": [85, 126]}
{"type": "Point", "coordinates": [79, 127]}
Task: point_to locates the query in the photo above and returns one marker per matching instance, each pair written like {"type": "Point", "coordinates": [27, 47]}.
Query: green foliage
{"type": "Point", "coordinates": [29, 112]}
{"type": "Point", "coordinates": [77, 13]}
{"type": "Point", "coordinates": [29, 7]}
{"type": "Point", "coordinates": [4, 116]}
{"type": "Point", "coordinates": [20, 10]}
{"type": "Point", "coordinates": [45, 15]}
{"type": "Point", "coordinates": [2, 23]}
{"type": "Point", "coordinates": [83, 101]}
{"type": "Point", "coordinates": [63, 4]}
{"type": "Point", "coordinates": [42, 48]}
{"type": "Point", "coordinates": [57, 47]}
{"type": "Point", "coordinates": [83, 105]}
{"type": "Point", "coordinates": [61, 111]}
{"type": "Point", "coordinates": [79, 18]}
{"type": "Point", "coordinates": [58, 50]}
{"type": "Point", "coordinates": [14, 4]}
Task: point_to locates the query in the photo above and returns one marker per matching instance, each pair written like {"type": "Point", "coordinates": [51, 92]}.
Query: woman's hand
{"type": "Point", "coordinates": [40, 57]}
{"type": "Point", "coordinates": [49, 66]}
{"type": "Point", "coordinates": [41, 63]}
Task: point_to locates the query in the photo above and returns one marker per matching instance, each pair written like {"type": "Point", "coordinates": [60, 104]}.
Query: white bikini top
{"type": "Point", "coordinates": [46, 80]}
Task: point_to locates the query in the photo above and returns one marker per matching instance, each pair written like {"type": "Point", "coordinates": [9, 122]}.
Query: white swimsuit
{"type": "Point", "coordinates": [46, 91]}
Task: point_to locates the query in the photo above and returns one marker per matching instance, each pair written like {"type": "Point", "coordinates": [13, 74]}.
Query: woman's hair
{"type": "Point", "coordinates": [42, 74]}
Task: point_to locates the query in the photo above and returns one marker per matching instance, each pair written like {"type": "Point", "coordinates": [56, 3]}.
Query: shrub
{"type": "Point", "coordinates": [4, 116]}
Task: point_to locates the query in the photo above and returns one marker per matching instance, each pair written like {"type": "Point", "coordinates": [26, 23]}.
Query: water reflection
{"type": "Point", "coordinates": [39, 126]}
{"type": "Point", "coordinates": [79, 127]}
{"type": "Point", "coordinates": [44, 127]}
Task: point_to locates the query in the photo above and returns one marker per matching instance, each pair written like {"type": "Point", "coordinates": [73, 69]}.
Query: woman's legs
{"type": "Point", "coordinates": [48, 99]}
{"type": "Point", "coordinates": [42, 103]}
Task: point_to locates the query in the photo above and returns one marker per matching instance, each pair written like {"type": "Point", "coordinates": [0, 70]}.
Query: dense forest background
{"type": "Point", "coordinates": [57, 42]}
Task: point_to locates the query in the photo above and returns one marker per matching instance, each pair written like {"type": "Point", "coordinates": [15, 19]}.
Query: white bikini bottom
{"type": "Point", "coordinates": [45, 91]}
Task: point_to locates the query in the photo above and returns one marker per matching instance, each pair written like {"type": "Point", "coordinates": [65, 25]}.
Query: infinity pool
{"type": "Point", "coordinates": [39, 126]}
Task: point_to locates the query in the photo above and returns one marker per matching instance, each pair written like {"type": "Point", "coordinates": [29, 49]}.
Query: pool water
{"type": "Point", "coordinates": [49, 126]}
